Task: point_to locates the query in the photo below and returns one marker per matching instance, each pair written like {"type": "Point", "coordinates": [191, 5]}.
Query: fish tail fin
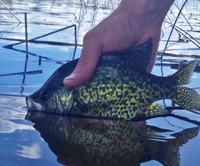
{"type": "Point", "coordinates": [184, 75]}
{"type": "Point", "coordinates": [187, 98]}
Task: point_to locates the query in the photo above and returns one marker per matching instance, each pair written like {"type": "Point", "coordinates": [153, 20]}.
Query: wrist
{"type": "Point", "coordinates": [155, 10]}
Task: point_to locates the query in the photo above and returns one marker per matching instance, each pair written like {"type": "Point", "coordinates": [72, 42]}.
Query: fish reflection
{"type": "Point", "coordinates": [96, 142]}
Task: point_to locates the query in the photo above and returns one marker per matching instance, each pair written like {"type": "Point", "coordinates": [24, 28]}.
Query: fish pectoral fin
{"type": "Point", "coordinates": [155, 110]}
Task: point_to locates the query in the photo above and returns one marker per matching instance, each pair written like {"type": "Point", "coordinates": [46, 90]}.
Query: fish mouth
{"type": "Point", "coordinates": [32, 105]}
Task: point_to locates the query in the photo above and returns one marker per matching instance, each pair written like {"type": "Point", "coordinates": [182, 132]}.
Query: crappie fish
{"type": "Point", "coordinates": [82, 142]}
{"type": "Point", "coordinates": [121, 87]}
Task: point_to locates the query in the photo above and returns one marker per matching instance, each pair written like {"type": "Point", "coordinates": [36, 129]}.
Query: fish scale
{"type": "Point", "coordinates": [120, 96]}
{"type": "Point", "coordinates": [121, 87]}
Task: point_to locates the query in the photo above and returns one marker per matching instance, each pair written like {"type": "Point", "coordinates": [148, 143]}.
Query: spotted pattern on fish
{"type": "Point", "coordinates": [121, 87]}
{"type": "Point", "coordinates": [124, 97]}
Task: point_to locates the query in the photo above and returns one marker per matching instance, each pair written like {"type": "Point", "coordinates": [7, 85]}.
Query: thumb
{"type": "Point", "coordinates": [85, 67]}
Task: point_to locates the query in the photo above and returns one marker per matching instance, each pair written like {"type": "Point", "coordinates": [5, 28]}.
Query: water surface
{"type": "Point", "coordinates": [42, 139]}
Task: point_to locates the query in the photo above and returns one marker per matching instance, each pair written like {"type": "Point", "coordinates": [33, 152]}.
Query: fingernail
{"type": "Point", "coordinates": [71, 77]}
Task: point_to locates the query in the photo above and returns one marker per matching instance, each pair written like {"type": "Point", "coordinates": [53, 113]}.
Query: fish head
{"type": "Point", "coordinates": [54, 96]}
{"type": "Point", "coordinates": [51, 98]}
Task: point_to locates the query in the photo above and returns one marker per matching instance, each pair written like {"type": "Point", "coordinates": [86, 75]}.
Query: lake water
{"type": "Point", "coordinates": [53, 140]}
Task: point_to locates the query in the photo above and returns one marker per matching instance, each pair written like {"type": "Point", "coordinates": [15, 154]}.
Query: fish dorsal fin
{"type": "Point", "coordinates": [142, 54]}
{"type": "Point", "coordinates": [123, 63]}
{"type": "Point", "coordinates": [112, 64]}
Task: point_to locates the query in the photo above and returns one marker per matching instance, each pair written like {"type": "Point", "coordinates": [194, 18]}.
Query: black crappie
{"type": "Point", "coordinates": [120, 88]}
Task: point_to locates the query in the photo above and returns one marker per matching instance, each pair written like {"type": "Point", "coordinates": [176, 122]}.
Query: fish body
{"type": "Point", "coordinates": [121, 87]}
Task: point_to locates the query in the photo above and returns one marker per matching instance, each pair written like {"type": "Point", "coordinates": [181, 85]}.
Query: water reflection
{"type": "Point", "coordinates": [89, 142]}
{"type": "Point", "coordinates": [12, 117]}
{"type": "Point", "coordinates": [32, 152]}
{"type": "Point", "coordinates": [7, 126]}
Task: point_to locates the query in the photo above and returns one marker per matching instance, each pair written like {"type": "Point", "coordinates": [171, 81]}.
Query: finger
{"type": "Point", "coordinates": [85, 67]}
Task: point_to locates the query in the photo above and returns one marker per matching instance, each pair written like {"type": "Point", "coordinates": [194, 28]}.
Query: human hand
{"type": "Point", "coordinates": [131, 24]}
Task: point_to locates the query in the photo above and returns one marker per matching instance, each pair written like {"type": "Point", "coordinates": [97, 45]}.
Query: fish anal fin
{"type": "Point", "coordinates": [155, 110]}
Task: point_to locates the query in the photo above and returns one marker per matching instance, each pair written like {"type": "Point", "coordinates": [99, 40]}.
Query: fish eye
{"type": "Point", "coordinates": [44, 95]}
